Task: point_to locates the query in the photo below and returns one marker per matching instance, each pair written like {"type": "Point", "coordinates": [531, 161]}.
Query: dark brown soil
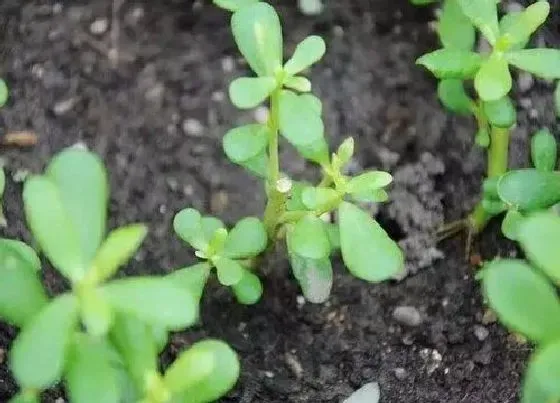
{"type": "Point", "coordinates": [157, 119]}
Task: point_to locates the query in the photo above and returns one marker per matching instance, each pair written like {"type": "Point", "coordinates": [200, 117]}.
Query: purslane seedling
{"type": "Point", "coordinates": [456, 65]}
{"type": "Point", "coordinates": [102, 337]}
{"type": "Point", "coordinates": [294, 210]}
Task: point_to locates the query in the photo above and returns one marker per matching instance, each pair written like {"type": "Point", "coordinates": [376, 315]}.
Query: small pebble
{"type": "Point", "coordinates": [269, 374]}
{"type": "Point", "coordinates": [480, 332]}
{"type": "Point", "coordinates": [400, 373]}
{"type": "Point", "coordinates": [228, 64]}
{"type": "Point", "coordinates": [525, 81]}
{"type": "Point", "coordinates": [193, 127]}
{"type": "Point", "coordinates": [407, 315]}
{"type": "Point", "coordinates": [64, 106]}
{"type": "Point", "coordinates": [99, 26]}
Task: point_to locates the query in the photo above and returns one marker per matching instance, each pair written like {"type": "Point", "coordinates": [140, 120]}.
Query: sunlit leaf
{"type": "Point", "coordinates": [368, 181]}
{"type": "Point", "coordinates": [299, 122]}
{"type": "Point", "coordinates": [39, 353]}
{"type": "Point", "coordinates": [530, 189]}
{"type": "Point", "coordinates": [249, 289]}
{"type": "Point", "coordinates": [516, 28]}
{"type": "Point", "coordinates": [493, 80]}
{"type": "Point", "coordinates": [307, 52]}
{"type": "Point", "coordinates": [96, 312]}
{"type": "Point", "coordinates": [320, 198]}
{"type": "Point", "coordinates": [544, 150]}
{"type": "Point", "coordinates": [192, 278]}
{"type": "Point", "coordinates": [249, 92]}
{"type": "Point", "coordinates": [308, 238]}
{"type": "Point", "coordinates": [367, 250]}
{"type": "Point", "coordinates": [229, 271]}
{"type": "Point", "coordinates": [511, 223]}
{"type": "Point", "coordinates": [453, 96]}
{"type": "Point", "coordinates": [297, 83]}
{"type": "Point", "coordinates": [317, 151]}
{"type": "Point", "coordinates": [28, 396]}
{"type": "Point", "coordinates": [258, 35]}
{"type": "Point", "coordinates": [501, 112]}
{"type": "Point", "coordinates": [188, 226]}
{"type": "Point", "coordinates": [314, 276]}
{"type": "Point", "coordinates": [246, 239]}
{"type": "Point", "coordinates": [4, 93]}
{"type": "Point", "coordinates": [454, 28]}
{"type": "Point", "coordinates": [313, 102]}
{"type": "Point", "coordinates": [483, 15]}
{"type": "Point", "coordinates": [544, 63]}
{"type": "Point", "coordinates": [451, 63]}
{"type": "Point", "coordinates": [21, 292]}
{"type": "Point", "coordinates": [153, 300]}
{"type": "Point", "coordinates": [540, 382]}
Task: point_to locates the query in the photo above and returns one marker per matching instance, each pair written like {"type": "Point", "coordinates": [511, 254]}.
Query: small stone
{"type": "Point", "coordinates": [480, 332]}
{"type": "Point", "coordinates": [400, 373]}
{"type": "Point", "coordinates": [219, 201]}
{"type": "Point", "coordinates": [407, 315]}
{"type": "Point", "coordinates": [65, 106]}
{"type": "Point", "coordinates": [295, 366]}
{"type": "Point", "coordinates": [99, 26]}
{"type": "Point", "coordinates": [269, 374]}
{"type": "Point", "coordinates": [228, 64]}
{"type": "Point", "coordinates": [193, 127]}
{"type": "Point", "coordinates": [300, 301]}
{"type": "Point", "coordinates": [488, 317]}
{"type": "Point", "coordinates": [525, 81]}
{"type": "Point", "coordinates": [218, 96]}
{"type": "Point", "coordinates": [155, 93]}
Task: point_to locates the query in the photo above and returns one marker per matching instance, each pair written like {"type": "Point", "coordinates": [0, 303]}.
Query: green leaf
{"type": "Point", "coordinates": [89, 375]}
{"type": "Point", "coordinates": [220, 370]}
{"type": "Point", "coordinates": [482, 138]}
{"type": "Point", "coordinates": [369, 181]}
{"type": "Point", "coordinates": [229, 271]}
{"type": "Point", "coordinates": [540, 383]}
{"type": "Point", "coordinates": [516, 28]}
{"type": "Point", "coordinates": [334, 235]}
{"type": "Point", "coordinates": [539, 235]}
{"type": "Point", "coordinates": [544, 150]}
{"type": "Point", "coordinates": [38, 355]}
{"type": "Point", "coordinates": [523, 299]}
{"type": "Point", "coordinates": [422, 2]}
{"type": "Point", "coordinates": [245, 142]}
{"type": "Point", "coordinates": [247, 239]}
{"type": "Point", "coordinates": [96, 312]}
{"type": "Point", "coordinates": [2, 182]}
{"type": "Point", "coordinates": [315, 277]}
{"type": "Point", "coordinates": [52, 228]}
{"type": "Point", "coordinates": [493, 207]}
{"type": "Point", "coordinates": [249, 92]}
{"type": "Point", "coordinates": [299, 122]}
{"type": "Point", "coordinates": [258, 35]}
{"type": "Point", "coordinates": [317, 151]}
{"type": "Point", "coordinates": [454, 28]}
{"type": "Point", "coordinates": [81, 180]}
{"type": "Point", "coordinates": [367, 250]}
{"type": "Point", "coordinates": [135, 342]}
{"type": "Point", "coordinates": [312, 102]}
{"type": "Point", "coordinates": [544, 63]}
{"type": "Point", "coordinates": [249, 289]}
{"type": "Point", "coordinates": [501, 112]}
{"type": "Point", "coordinates": [153, 300]}
{"type": "Point", "coordinates": [192, 278]}
{"type": "Point", "coordinates": [451, 63]}
{"type": "Point", "coordinates": [511, 223]}
{"type": "Point", "coordinates": [452, 94]}
{"type": "Point", "coordinates": [233, 5]}
{"type": "Point", "coordinates": [296, 83]}
{"type": "Point", "coordinates": [483, 15]}
{"type": "Point", "coordinates": [557, 99]}
{"type": "Point", "coordinates": [308, 238]}
{"type": "Point", "coordinates": [529, 189]}
{"type": "Point", "coordinates": [345, 150]}
{"type": "Point", "coordinates": [21, 292]}
{"type": "Point", "coordinates": [28, 396]}
{"type": "Point", "coordinates": [320, 198]}
{"type": "Point", "coordinates": [217, 242]}
{"type": "Point", "coordinates": [4, 93]}
{"type": "Point", "coordinates": [490, 188]}
{"type": "Point", "coordinates": [117, 249]}
{"type": "Point", "coordinates": [371, 196]}
{"type": "Point", "coordinates": [308, 52]}
{"type": "Point", "coordinates": [257, 165]}
{"type": "Point", "coordinates": [188, 226]}
{"type": "Point", "coordinates": [493, 80]}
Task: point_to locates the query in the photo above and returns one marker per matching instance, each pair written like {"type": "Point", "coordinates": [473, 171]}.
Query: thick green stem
{"type": "Point", "coordinates": [498, 154]}
{"type": "Point", "coordinates": [276, 199]}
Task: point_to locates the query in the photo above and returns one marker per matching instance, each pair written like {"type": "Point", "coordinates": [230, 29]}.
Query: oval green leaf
{"type": "Point", "coordinates": [367, 250]}
{"type": "Point", "coordinates": [544, 63]}
{"type": "Point", "coordinates": [320, 198]}
{"type": "Point", "coordinates": [523, 299]}
{"type": "Point", "coordinates": [4, 93]}
{"type": "Point", "coordinates": [454, 28]}
{"type": "Point", "coordinates": [192, 278]}
{"type": "Point", "coordinates": [511, 223]}
{"type": "Point", "coordinates": [308, 52]}
{"type": "Point", "coordinates": [28, 396]}
{"type": "Point", "coordinates": [258, 34]}
{"type": "Point", "coordinates": [452, 94]}
{"type": "Point", "coordinates": [308, 238]}
{"type": "Point", "coordinates": [21, 292]}
{"type": "Point", "coordinates": [369, 181]}
{"type": "Point", "coordinates": [315, 277]}
{"type": "Point", "coordinates": [501, 112]}
{"type": "Point", "coordinates": [493, 80]}
{"type": "Point", "coordinates": [81, 180]}
{"type": "Point", "coordinates": [187, 224]}
{"type": "Point", "coordinates": [246, 239]}
{"type": "Point", "coordinates": [516, 28]}
{"type": "Point", "coordinates": [249, 92]}
{"type": "Point", "coordinates": [540, 382]}
{"type": "Point", "coordinates": [451, 63]}
{"type": "Point", "coordinates": [313, 102]}
{"type": "Point", "coordinates": [544, 150]}
{"type": "Point", "coordinates": [153, 300]}
{"type": "Point", "coordinates": [229, 271]}
{"type": "Point", "coordinates": [529, 189]}
{"type": "Point", "coordinates": [89, 375]}
{"type": "Point", "coordinates": [248, 290]}
{"type": "Point", "coordinates": [300, 84]}
{"type": "Point", "coordinates": [39, 353]}
{"type": "Point", "coordinates": [96, 313]}
{"type": "Point", "coordinates": [52, 227]}
{"type": "Point", "coordinates": [299, 122]}
{"type": "Point", "coordinates": [245, 142]}
{"type": "Point", "coordinates": [483, 14]}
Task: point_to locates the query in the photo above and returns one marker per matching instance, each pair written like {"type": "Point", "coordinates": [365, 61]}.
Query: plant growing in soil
{"type": "Point", "coordinates": [102, 337]}
{"type": "Point", "coordinates": [295, 210]}
{"type": "Point", "coordinates": [457, 66]}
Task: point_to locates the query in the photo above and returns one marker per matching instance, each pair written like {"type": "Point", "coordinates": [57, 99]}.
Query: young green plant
{"type": "Point", "coordinates": [294, 210]}
{"type": "Point", "coordinates": [456, 64]}
{"type": "Point", "coordinates": [103, 336]}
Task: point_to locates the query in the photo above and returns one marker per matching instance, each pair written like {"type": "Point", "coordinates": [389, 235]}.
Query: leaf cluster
{"type": "Point", "coordinates": [103, 336]}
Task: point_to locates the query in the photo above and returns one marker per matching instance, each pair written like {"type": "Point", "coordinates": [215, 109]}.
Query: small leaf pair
{"type": "Point", "coordinates": [226, 251]}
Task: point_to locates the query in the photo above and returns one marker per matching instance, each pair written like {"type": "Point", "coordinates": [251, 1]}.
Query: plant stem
{"type": "Point", "coordinates": [497, 166]}
{"type": "Point", "coordinates": [276, 200]}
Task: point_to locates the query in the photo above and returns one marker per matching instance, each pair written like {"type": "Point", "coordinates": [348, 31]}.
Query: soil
{"type": "Point", "coordinates": [157, 117]}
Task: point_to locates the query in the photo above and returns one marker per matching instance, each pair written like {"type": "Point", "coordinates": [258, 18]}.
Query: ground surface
{"type": "Point", "coordinates": [158, 118]}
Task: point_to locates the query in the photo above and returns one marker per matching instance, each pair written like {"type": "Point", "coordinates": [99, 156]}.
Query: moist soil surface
{"type": "Point", "coordinates": [146, 88]}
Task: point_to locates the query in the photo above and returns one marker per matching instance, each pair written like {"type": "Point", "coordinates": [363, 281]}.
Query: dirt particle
{"type": "Point", "coordinates": [407, 315]}
{"type": "Point", "coordinates": [400, 373]}
{"type": "Point", "coordinates": [489, 317]}
{"type": "Point", "coordinates": [219, 201]}
{"type": "Point", "coordinates": [480, 332]}
{"type": "Point", "coordinates": [64, 106]}
{"type": "Point", "coordinates": [294, 365]}
{"type": "Point", "coordinates": [99, 26]}
{"type": "Point", "coordinates": [193, 127]}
